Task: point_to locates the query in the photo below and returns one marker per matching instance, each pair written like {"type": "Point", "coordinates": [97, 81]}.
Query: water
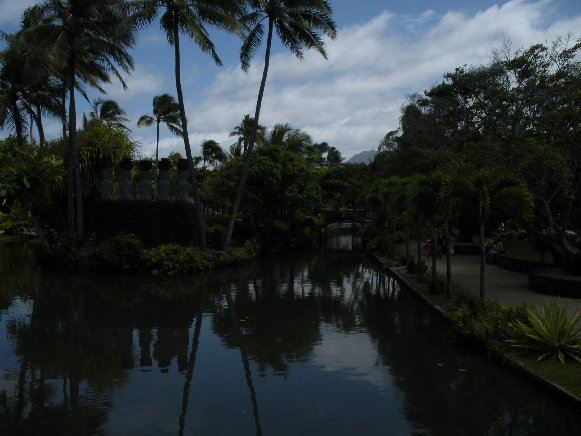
{"type": "Point", "coordinates": [318, 344]}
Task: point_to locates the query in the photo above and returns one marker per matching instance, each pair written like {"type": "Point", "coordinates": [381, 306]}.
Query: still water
{"type": "Point", "coordinates": [318, 344]}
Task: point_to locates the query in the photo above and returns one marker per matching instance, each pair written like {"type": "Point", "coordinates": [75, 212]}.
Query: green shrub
{"type": "Point", "coordinates": [120, 253]}
{"type": "Point", "coordinates": [249, 251]}
{"type": "Point", "coordinates": [173, 259]}
{"type": "Point", "coordinates": [491, 327]}
{"type": "Point", "coordinates": [66, 250]}
{"type": "Point", "coordinates": [15, 222]}
{"type": "Point", "coordinates": [548, 331]}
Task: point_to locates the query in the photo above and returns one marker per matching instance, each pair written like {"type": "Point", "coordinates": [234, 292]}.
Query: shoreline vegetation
{"type": "Point", "coordinates": [483, 332]}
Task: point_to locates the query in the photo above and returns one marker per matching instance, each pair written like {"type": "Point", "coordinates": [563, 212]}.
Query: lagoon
{"type": "Point", "coordinates": [320, 343]}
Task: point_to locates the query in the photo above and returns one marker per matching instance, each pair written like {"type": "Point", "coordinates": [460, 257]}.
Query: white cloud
{"type": "Point", "coordinates": [11, 10]}
{"type": "Point", "coordinates": [145, 80]}
{"type": "Point", "coordinates": [354, 98]}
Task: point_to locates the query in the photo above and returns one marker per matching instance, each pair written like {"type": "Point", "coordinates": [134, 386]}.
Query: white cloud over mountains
{"type": "Point", "coordinates": [353, 99]}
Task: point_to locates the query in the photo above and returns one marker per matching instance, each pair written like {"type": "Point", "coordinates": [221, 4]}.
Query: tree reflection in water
{"type": "Point", "coordinates": [326, 342]}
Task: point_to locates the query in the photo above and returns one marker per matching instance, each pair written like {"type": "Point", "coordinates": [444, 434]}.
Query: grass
{"type": "Point", "coordinates": [9, 238]}
{"type": "Point", "coordinates": [568, 376]}
{"type": "Point", "coordinates": [525, 250]}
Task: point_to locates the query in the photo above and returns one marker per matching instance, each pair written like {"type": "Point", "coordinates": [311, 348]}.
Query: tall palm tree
{"type": "Point", "coordinates": [12, 86]}
{"type": "Point", "coordinates": [298, 24]}
{"type": "Point", "coordinates": [496, 192]}
{"type": "Point", "coordinates": [165, 110]}
{"type": "Point", "coordinates": [212, 153]}
{"type": "Point", "coordinates": [244, 131]}
{"type": "Point", "coordinates": [189, 17]}
{"type": "Point", "coordinates": [108, 111]}
{"type": "Point", "coordinates": [84, 40]}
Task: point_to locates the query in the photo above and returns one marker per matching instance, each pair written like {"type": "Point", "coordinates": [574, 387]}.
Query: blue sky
{"type": "Point", "coordinates": [383, 52]}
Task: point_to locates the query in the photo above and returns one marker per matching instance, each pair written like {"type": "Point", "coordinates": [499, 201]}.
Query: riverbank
{"type": "Point", "coordinates": [507, 288]}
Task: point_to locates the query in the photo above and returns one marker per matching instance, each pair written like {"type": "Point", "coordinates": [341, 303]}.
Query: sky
{"type": "Point", "coordinates": [383, 52]}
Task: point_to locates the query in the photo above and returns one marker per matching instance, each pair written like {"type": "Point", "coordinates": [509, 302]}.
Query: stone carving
{"type": "Point", "coordinates": [145, 188]}
{"type": "Point", "coordinates": [126, 185]}
{"type": "Point", "coordinates": [164, 185]}
{"type": "Point", "coordinates": [107, 183]}
{"type": "Point", "coordinates": [183, 186]}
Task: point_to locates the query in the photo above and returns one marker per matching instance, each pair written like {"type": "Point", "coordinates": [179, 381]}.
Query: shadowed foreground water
{"type": "Point", "coordinates": [318, 344]}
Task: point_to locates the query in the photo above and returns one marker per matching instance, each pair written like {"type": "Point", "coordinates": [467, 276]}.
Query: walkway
{"type": "Point", "coordinates": [505, 286]}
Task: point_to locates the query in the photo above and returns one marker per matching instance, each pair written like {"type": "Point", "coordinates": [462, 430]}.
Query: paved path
{"type": "Point", "coordinates": [503, 285]}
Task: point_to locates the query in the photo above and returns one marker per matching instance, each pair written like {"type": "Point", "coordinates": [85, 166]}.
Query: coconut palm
{"type": "Point", "coordinates": [167, 111]}
{"type": "Point", "coordinates": [189, 17]}
{"type": "Point", "coordinates": [84, 41]}
{"type": "Point", "coordinates": [12, 86]}
{"type": "Point", "coordinates": [244, 132]}
{"type": "Point", "coordinates": [212, 153]}
{"type": "Point", "coordinates": [299, 24]}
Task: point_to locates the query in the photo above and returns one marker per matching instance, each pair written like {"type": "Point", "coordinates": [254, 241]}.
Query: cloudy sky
{"type": "Point", "coordinates": [383, 52]}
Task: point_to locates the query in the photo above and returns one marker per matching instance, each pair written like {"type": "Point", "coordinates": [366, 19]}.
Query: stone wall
{"type": "Point", "coordinates": [153, 222]}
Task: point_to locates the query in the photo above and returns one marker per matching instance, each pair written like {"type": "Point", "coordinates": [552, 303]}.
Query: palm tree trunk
{"type": "Point", "coordinates": [157, 153]}
{"type": "Point", "coordinates": [74, 150]}
{"type": "Point", "coordinates": [448, 264]}
{"type": "Point", "coordinates": [38, 120]}
{"type": "Point", "coordinates": [199, 217]}
{"type": "Point", "coordinates": [482, 264]}
{"type": "Point", "coordinates": [236, 204]}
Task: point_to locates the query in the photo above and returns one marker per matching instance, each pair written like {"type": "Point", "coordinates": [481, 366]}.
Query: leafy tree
{"type": "Point", "coordinates": [298, 23]}
{"type": "Point", "coordinates": [189, 17]}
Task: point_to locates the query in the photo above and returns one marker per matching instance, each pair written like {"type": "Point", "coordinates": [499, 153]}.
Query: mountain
{"type": "Point", "coordinates": [365, 157]}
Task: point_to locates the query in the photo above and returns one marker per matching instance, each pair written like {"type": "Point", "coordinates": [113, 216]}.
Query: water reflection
{"type": "Point", "coordinates": [319, 344]}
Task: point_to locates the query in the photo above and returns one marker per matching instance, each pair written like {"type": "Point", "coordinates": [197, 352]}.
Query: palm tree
{"type": "Point", "coordinates": [109, 111]}
{"type": "Point", "coordinates": [12, 86]}
{"type": "Point", "coordinates": [212, 153]}
{"type": "Point", "coordinates": [496, 192]}
{"type": "Point", "coordinates": [244, 132]}
{"type": "Point", "coordinates": [84, 41]}
{"type": "Point", "coordinates": [165, 110]}
{"type": "Point", "coordinates": [297, 23]}
{"type": "Point", "coordinates": [189, 17]}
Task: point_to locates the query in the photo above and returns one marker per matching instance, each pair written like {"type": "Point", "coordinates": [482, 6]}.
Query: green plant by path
{"type": "Point", "coordinates": [549, 332]}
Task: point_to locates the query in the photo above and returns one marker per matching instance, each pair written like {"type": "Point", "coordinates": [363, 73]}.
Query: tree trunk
{"type": "Point", "coordinates": [236, 204]}
{"type": "Point", "coordinates": [448, 264]}
{"type": "Point", "coordinates": [157, 154]}
{"type": "Point", "coordinates": [74, 150]}
{"type": "Point", "coordinates": [193, 179]}
{"type": "Point", "coordinates": [482, 264]}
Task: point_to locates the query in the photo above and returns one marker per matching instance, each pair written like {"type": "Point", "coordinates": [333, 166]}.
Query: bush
{"type": "Point", "coordinates": [120, 253]}
{"type": "Point", "coordinates": [173, 259]}
{"type": "Point", "coordinates": [15, 222]}
{"type": "Point", "coordinates": [66, 250]}
{"type": "Point", "coordinates": [491, 327]}
{"type": "Point", "coordinates": [547, 331]}
{"type": "Point", "coordinates": [249, 251]}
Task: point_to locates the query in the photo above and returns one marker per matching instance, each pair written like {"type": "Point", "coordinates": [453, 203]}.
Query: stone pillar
{"type": "Point", "coordinates": [183, 185]}
{"type": "Point", "coordinates": [164, 185]}
{"type": "Point", "coordinates": [107, 183]}
{"type": "Point", "coordinates": [145, 188]}
{"type": "Point", "coordinates": [126, 185]}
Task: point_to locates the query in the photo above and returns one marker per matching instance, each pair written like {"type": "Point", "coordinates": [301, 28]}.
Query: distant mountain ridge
{"type": "Point", "coordinates": [365, 157]}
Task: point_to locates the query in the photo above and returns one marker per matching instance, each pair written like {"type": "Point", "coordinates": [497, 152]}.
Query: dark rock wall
{"type": "Point", "coordinates": [153, 222]}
